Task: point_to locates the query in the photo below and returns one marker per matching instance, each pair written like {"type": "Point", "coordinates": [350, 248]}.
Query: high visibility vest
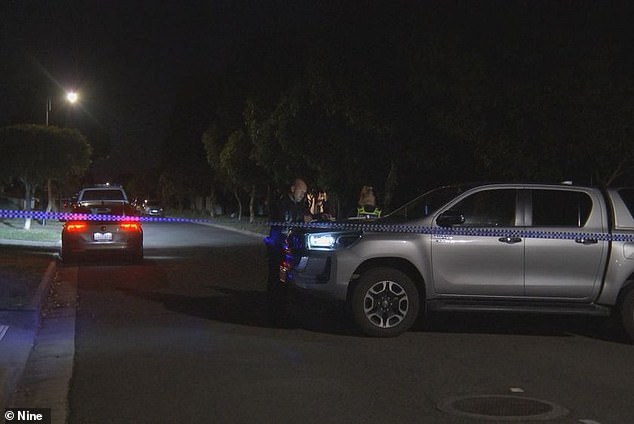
{"type": "Point", "coordinates": [363, 213]}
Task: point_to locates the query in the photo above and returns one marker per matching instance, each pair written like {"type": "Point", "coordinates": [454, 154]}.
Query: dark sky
{"type": "Point", "coordinates": [130, 60]}
{"type": "Point", "coordinates": [127, 59]}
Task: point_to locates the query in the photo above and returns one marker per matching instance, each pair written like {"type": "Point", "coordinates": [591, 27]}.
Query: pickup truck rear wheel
{"type": "Point", "coordinates": [385, 302]}
{"type": "Point", "coordinates": [627, 313]}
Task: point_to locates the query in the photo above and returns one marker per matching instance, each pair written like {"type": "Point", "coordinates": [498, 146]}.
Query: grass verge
{"type": "Point", "coordinates": [13, 229]}
{"type": "Point", "coordinates": [20, 276]}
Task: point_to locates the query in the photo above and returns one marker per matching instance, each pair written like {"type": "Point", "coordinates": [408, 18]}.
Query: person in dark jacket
{"type": "Point", "coordinates": [291, 208]}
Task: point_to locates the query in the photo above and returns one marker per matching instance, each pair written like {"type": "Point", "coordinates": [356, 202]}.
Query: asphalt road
{"type": "Point", "coordinates": [183, 338]}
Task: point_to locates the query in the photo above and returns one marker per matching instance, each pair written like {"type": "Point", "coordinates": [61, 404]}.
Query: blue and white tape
{"type": "Point", "coordinates": [330, 226]}
{"type": "Point", "coordinates": [466, 231]}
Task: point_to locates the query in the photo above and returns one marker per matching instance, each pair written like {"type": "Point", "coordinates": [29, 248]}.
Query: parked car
{"type": "Point", "coordinates": [69, 204]}
{"type": "Point", "coordinates": [153, 208]}
{"type": "Point", "coordinates": [483, 247]}
{"type": "Point", "coordinates": [104, 223]}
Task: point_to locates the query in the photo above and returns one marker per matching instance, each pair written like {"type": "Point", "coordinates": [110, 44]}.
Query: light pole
{"type": "Point", "coordinates": [48, 108]}
{"type": "Point", "coordinates": [71, 97]}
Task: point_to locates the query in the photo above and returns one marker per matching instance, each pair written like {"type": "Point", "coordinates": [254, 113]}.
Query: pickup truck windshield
{"type": "Point", "coordinates": [426, 204]}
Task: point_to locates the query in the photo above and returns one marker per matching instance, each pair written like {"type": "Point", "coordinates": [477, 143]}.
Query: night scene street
{"type": "Point", "coordinates": [184, 337]}
{"type": "Point", "coordinates": [319, 212]}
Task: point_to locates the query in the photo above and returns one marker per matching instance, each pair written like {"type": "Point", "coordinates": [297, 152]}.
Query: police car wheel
{"type": "Point", "coordinates": [385, 302]}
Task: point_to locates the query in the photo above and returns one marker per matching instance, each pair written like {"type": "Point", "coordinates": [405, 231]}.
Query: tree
{"type": "Point", "coordinates": [213, 141]}
{"type": "Point", "coordinates": [32, 154]}
{"type": "Point", "coordinates": [417, 96]}
{"type": "Point", "coordinates": [548, 103]}
{"type": "Point", "coordinates": [234, 160]}
{"type": "Point", "coordinates": [233, 163]}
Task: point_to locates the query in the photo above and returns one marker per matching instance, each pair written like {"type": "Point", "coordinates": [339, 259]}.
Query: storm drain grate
{"type": "Point", "coordinates": [502, 408]}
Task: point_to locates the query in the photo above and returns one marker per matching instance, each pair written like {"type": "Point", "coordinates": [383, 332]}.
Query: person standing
{"type": "Point", "coordinates": [366, 206]}
{"type": "Point", "coordinates": [319, 205]}
{"type": "Point", "coordinates": [291, 208]}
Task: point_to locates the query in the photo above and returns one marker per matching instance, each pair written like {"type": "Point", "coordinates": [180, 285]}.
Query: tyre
{"type": "Point", "coordinates": [385, 302]}
{"type": "Point", "coordinates": [627, 313]}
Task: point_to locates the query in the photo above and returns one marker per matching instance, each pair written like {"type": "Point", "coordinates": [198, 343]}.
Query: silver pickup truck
{"type": "Point", "coordinates": [482, 247]}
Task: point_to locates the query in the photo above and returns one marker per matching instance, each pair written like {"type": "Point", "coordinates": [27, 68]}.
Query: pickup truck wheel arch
{"type": "Point", "coordinates": [400, 264]}
{"type": "Point", "coordinates": [385, 302]}
{"type": "Point", "coordinates": [627, 312]}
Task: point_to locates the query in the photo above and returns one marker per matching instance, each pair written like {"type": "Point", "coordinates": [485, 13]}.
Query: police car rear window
{"type": "Point", "coordinates": [103, 195]}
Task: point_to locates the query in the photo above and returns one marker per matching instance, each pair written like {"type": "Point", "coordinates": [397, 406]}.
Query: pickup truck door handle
{"type": "Point", "coordinates": [510, 240]}
{"type": "Point", "coordinates": [583, 240]}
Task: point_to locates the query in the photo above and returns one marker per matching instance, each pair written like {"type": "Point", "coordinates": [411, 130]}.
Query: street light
{"type": "Point", "coordinates": [71, 97]}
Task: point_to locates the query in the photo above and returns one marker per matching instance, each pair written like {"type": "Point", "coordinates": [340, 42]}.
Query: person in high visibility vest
{"type": "Point", "coordinates": [367, 208]}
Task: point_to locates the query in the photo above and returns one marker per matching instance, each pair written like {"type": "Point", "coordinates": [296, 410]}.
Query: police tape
{"type": "Point", "coordinates": [523, 232]}
{"type": "Point", "coordinates": [70, 216]}
{"type": "Point", "coordinates": [581, 237]}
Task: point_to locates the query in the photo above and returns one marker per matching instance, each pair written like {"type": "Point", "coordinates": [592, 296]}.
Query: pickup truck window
{"type": "Point", "coordinates": [426, 204]}
{"type": "Point", "coordinates": [559, 208]}
{"type": "Point", "coordinates": [627, 194]}
{"type": "Point", "coordinates": [490, 208]}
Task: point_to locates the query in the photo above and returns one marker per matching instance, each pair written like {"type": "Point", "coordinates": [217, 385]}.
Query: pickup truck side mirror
{"type": "Point", "coordinates": [450, 218]}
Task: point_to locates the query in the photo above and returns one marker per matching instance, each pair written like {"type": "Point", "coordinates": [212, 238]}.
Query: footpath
{"type": "Point", "coordinates": [37, 343]}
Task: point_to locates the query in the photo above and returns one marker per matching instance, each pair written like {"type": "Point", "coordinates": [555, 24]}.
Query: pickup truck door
{"type": "Point", "coordinates": [480, 264]}
{"type": "Point", "coordinates": [560, 261]}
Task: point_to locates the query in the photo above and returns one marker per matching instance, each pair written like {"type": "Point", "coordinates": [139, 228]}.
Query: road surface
{"type": "Point", "coordinates": [183, 338]}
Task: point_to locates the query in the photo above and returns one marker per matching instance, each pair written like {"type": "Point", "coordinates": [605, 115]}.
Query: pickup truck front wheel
{"type": "Point", "coordinates": [627, 313]}
{"type": "Point", "coordinates": [384, 302]}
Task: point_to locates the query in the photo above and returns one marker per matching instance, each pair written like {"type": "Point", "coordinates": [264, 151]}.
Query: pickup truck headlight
{"type": "Point", "coordinates": [331, 240]}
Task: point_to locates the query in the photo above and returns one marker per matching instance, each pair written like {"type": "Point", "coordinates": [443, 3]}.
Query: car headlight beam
{"type": "Point", "coordinates": [330, 241]}
{"type": "Point", "coordinates": [321, 241]}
